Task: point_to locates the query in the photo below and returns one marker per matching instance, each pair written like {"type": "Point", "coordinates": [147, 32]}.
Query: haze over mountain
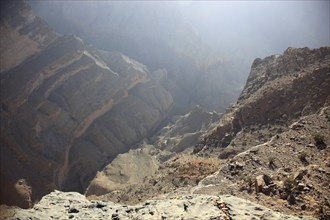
{"type": "Point", "coordinates": [239, 31]}
{"type": "Point", "coordinates": [156, 35]}
{"type": "Point", "coordinates": [258, 28]}
{"type": "Point", "coordinates": [126, 101]}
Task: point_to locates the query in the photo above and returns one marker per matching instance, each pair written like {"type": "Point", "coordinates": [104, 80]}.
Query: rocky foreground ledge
{"type": "Point", "coordinates": [72, 205]}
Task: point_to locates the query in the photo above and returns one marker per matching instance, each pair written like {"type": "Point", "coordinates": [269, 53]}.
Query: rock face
{"type": "Point", "coordinates": [67, 108]}
{"type": "Point", "coordinates": [74, 205]}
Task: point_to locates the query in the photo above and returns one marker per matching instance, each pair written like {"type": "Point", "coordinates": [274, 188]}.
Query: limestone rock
{"type": "Point", "coordinates": [74, 205]}
{"type": "Point", "coordinates": [298, 175]}
{"type": "Point", "coordinates": [259, 183]}
{"type": "Point", "coordinates": [262, 184]}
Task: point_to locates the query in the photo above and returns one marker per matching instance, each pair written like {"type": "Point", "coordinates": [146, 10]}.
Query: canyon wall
{"type": "Point", "coordinates": [67, 108]}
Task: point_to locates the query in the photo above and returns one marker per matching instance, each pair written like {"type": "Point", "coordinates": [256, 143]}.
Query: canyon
{"type": "Point", "coordinates": [92, 128]}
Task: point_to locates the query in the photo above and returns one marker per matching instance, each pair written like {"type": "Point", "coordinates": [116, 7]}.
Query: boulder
{"type": "Point", "coordinates": [259, 183]}
{"type": "Point", "coordinates": [262, 183]}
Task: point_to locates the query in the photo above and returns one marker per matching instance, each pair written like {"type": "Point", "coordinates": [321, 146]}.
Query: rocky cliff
{"type": "Point", "coordinates": [275, 139]}
{"type": "Point", "coordinates": [279, 90]}
{"type": "Point", "coordinates": [67, 108]}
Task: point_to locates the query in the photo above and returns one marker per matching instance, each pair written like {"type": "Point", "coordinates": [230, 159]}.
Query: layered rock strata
{"type": "Point", "coordinates": [67, 108]}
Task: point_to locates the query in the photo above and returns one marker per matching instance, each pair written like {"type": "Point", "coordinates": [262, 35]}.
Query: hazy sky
{"type": "Point", "coordinates": [265, 26]}
{"type": "Point", "coordinates": [239, 30]}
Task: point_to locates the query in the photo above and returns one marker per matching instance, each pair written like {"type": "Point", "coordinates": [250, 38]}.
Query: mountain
{"type": "Point", "coordinates": [271, 147]}
{"type": "Point", "coordinates": [155, 34]}
{"type": "Point", "coordinates": [125, 130]}
{"type": "Point", "coordinates": [279, 90]}
{"type": "Point", "coordinates": [66, 107]}
{"type": "Point", "coordinates": [278, 161]}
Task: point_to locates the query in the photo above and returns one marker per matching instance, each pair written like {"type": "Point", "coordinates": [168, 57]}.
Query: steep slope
{"type": "Point", "coordinates": [67, 108]}
{"type": "Point", "coordinates": [276, 137]}
{"type": "Point", "coordinates": [290, 173]}
{"type": "Point", "coordinates": [279, 90]}
{"type": "Point", "coordinates": [184, 131]}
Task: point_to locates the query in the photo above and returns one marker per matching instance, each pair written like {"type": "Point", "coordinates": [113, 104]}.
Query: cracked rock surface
{"type": "Point", "coordinates": [72, 205]}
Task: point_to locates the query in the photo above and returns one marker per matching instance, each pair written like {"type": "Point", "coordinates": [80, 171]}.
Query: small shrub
{"type": "Point", "coordinates": [303, 156]}
{"type": "Point", "coordinates": [289, 183]}
{"type": "Point", "coordinates": [271, 162]}
{"type": "Point", "coordinates": [319, 140]}
{"type": "Point", "coordinates": [228, 153]}
{"type": "Point", "coordinates": [318, 137]}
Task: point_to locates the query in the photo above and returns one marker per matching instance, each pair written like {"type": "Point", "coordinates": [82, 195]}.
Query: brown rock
{"type": "Point", "coordinates": [298, 175]}
{"type": "Point", "coordinates": [301, 186]}
{"type": "Point", "coordinates": [259, 183]}
{"type": "Point", "coordinates": [291, 199]}
{"type": "Point", "coordinates": [23, 194]}
{"type": "Point", "coordinates": [262, 184]}
{"type": "Point", "coordinates": [266, 190]}
{"type": "Point", "coordinates": [267, 179]}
